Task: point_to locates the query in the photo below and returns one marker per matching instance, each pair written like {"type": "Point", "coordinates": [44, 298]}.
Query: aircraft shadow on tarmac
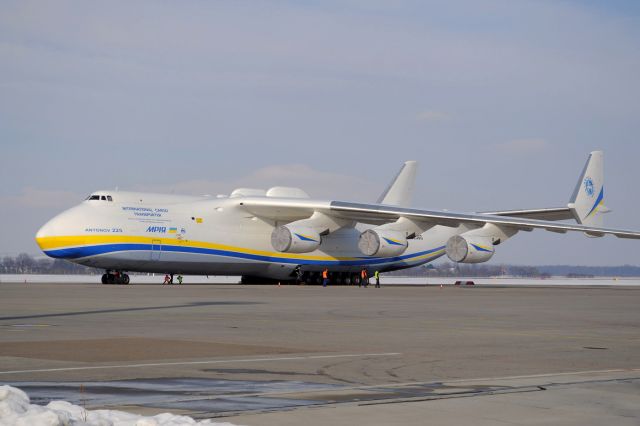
{"type": "Point", "coordinates": [144, 308]}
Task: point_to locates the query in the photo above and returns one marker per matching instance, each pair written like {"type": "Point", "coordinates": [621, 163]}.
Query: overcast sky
{"type": "Point", "coordinates": [499, 101]}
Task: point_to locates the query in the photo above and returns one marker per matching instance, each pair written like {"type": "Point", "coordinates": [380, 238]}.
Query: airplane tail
{"type": "Point", "coordinates": [587, 201]}
{"type": "Point", "coordinates": [400, 191]}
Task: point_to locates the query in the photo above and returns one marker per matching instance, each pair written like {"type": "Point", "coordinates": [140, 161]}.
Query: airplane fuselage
{"type": "Point", "coordinates": [205, 236]}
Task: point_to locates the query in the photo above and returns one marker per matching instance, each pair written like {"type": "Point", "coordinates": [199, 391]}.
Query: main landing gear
{"type": "Point", "coordinates": [115, 277]}
{"type": "Point", "coordinates": [335, 278]}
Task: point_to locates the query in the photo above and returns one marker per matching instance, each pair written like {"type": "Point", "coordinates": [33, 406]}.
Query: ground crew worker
{"type": "Point", "coordinates": [166, 279]}
{"type": "Point", "coordinates": [325, 277]}
{"type": "Point", "coordinates": [298, 273]}
{"type": "Point", "coordinates": [364, 277]}
{"type": "Point", "coordinates": [377, 275]}
{"type": "Point", "coordinates": [171, 282]}
{"type": "Point", "coordinates": [179, 279]}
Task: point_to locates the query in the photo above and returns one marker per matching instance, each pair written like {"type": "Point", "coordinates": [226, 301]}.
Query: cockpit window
{"type": "Point", "coordinates": [99, 197]}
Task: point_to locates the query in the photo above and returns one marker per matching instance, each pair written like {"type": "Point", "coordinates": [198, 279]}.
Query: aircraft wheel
{"type": "Point", "coordinates": [105, 279]}
{"type": "Point", "coordinates": [125, 279]}
{"type": "Point", "coordinates": [347, 280]}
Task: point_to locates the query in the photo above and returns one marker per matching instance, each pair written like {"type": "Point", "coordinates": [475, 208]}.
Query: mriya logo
{"type": "Point", "coordinates": [157, 229]}
{"type": "Point", "coordinates": [588, 186]}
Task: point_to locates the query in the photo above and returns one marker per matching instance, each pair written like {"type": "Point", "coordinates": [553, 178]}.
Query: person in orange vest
{"type": "Point", "coordinates": [364, 278]}
{"type": "Point", "coordinates": [325, 277]}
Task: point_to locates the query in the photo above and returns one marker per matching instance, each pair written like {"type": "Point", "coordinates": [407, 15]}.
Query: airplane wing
{"type": "Point", "coordinates": [557, 213]}
{"type": "Point", "coordinates": [287, 210]}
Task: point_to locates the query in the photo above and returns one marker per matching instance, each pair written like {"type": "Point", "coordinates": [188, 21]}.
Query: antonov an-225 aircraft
{"type": "Point", "coordinates": [281, 233]}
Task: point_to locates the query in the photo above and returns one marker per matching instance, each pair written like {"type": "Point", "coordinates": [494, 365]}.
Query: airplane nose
{"type": "Point", "coordinates": [56, 232]}
{"type": "Point", "coordinates": [45, 234]}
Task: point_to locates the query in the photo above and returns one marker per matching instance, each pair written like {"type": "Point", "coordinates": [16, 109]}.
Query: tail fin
{"type": "Point", "coordinates": [587, 201]}
{"type": "Point", "coordinates": [400, 191]}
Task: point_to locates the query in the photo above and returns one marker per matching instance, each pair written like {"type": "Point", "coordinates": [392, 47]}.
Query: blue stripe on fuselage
{"type": "Point", "coordinates": [86, 251]}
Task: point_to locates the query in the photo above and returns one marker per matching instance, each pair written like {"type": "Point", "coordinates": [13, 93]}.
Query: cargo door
{"type": "Point", "coordinates": [156, 249]}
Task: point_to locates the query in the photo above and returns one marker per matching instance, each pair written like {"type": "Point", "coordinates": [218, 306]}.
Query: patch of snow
{"type": "Point", "coordinates": [17, 410]}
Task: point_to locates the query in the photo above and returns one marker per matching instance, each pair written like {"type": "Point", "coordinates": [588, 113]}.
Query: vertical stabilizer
{"type": "Point", "coordinates": [400, 191]}
{"type": "Point", "coordinates": [587, 201]}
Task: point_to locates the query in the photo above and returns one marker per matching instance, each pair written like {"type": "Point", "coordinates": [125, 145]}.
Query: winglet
{"type": "Point", "coordinates": [587, 201]}
{"type": "Point", "coordinates": [400, 191]}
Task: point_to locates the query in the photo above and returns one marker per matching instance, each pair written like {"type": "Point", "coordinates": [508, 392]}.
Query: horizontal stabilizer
{"type": "Point", "coordinates": [586, 205]}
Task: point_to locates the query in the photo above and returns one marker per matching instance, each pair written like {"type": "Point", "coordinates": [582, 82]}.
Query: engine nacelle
{"type": "Point", "coordinates": [293, 239]}
{"type": "Point", "coordinates": [469, 249]}
{"type": "Point", "coordinates": [375, 242]}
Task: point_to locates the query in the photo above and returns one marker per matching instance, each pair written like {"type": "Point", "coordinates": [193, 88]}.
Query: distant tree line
{"type": "Point", "coordinates": [27, 264]}
{"type": "Point", "coordinates": [593, 271]}
{"type": "Point", "coordinates": [449, 269]}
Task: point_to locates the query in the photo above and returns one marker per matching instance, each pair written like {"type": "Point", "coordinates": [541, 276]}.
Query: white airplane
{"type": "Point", "coordinates": [281, 233]}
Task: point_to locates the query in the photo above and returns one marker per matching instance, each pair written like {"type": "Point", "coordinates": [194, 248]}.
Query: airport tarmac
{"type": "Point", "coordinates": [269, 355]}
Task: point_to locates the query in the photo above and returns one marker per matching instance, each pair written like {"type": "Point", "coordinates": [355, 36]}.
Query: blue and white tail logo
{"type": "Point", "coordinates": [588, 187]}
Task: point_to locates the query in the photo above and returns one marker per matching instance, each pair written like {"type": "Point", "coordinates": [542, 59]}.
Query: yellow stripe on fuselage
{"type": "Point", "coordinates": [55, 243]}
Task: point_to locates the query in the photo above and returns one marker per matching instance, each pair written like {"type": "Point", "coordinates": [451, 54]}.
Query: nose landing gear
{"type": "Point", "coordinates": [115, 277]}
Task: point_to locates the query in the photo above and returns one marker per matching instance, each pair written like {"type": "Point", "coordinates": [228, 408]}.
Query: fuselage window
{"type": "Point", "coordinates": [109, 198]}
{"type": "Point", "coordinates": [103, 198]}
{"type": "Point", "coordinates": [93, 197]}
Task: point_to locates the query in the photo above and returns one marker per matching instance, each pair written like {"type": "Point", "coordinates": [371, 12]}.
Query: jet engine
{"type": "Point", "coordinates": [376, 242]}
{"type": "Point", "coordinates": [469, 249]}
{"type": "Point", "coordinates": [295, 239]}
